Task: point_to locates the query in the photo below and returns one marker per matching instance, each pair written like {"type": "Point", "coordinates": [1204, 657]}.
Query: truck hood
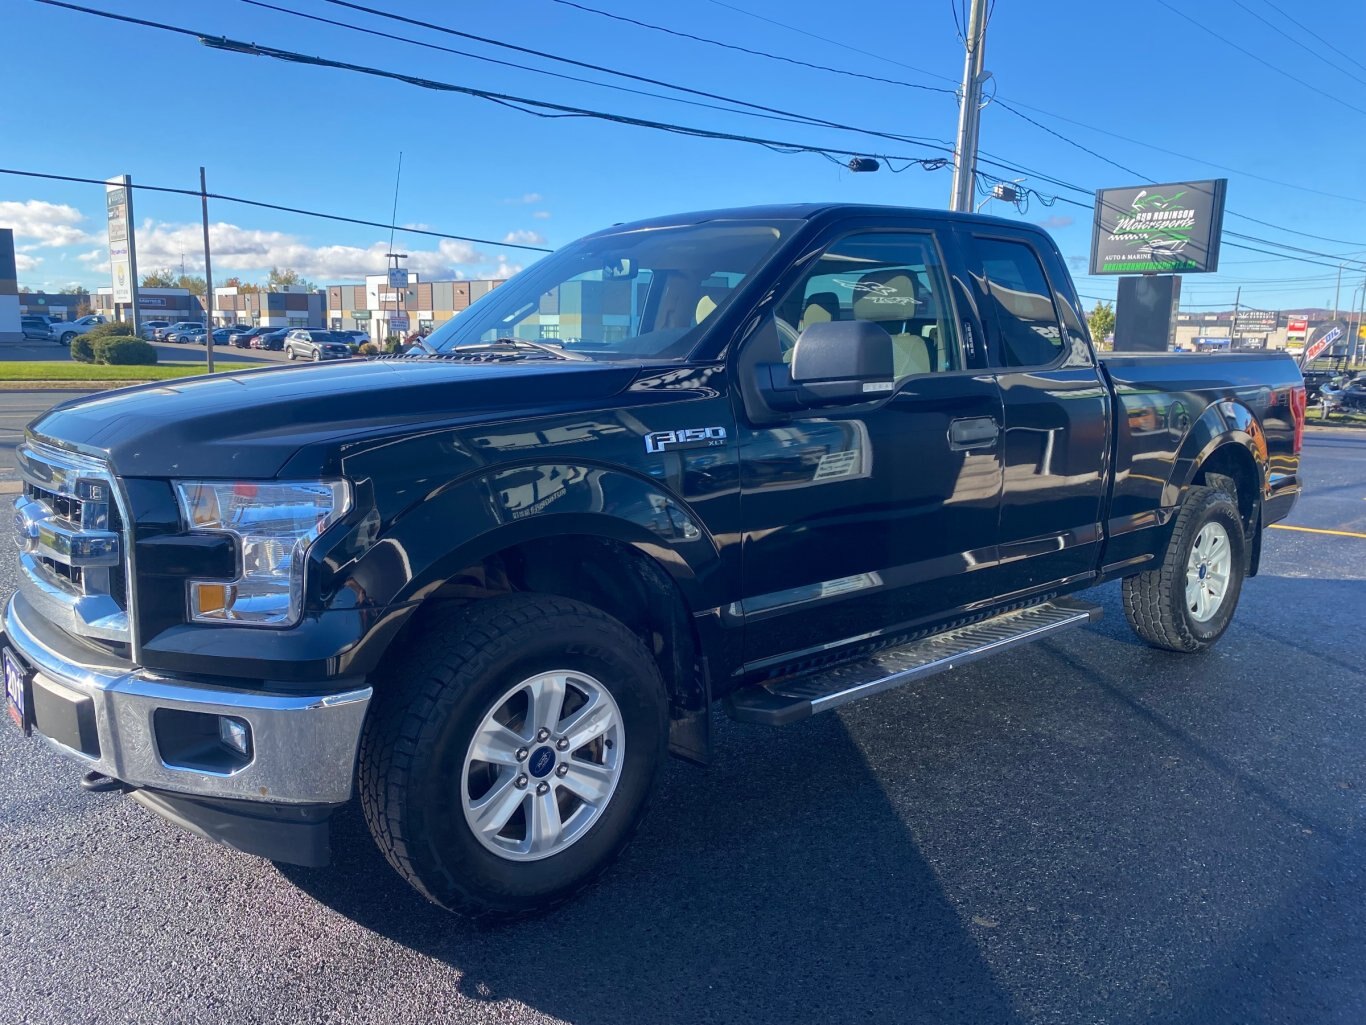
{"type": "Point", "coordinates": [246, 425]}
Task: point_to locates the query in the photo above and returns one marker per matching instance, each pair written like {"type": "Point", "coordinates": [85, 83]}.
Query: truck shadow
{"type": "Point", "coordinates": [737, 902]}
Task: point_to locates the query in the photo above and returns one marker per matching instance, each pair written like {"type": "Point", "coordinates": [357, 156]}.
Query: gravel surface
{"type": "Point", "coordinates": [1084, 831]}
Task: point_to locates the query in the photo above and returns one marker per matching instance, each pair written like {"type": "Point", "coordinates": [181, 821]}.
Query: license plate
{"type": "Point", "coordinates": [17, 692]}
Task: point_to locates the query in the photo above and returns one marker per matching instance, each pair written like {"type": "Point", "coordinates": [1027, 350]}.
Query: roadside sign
{"type": "Point", "coordinates": [1324, 335]}
{"type": "Point", "coordinates": [398, 322]}
{"type": "Point", "coordinates": [1158, 229]}
{"type": "Point", "coordinates": [1297, 327]}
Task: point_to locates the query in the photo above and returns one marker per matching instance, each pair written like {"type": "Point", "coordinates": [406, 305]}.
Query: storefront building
{"type": "Point", "coordinates": [381, 311]}
{"type": "Point", "coordinates": [287, 306]}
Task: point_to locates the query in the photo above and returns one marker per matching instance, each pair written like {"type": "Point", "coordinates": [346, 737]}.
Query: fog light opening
{"type": "Point", "coordinates": [235, 735]}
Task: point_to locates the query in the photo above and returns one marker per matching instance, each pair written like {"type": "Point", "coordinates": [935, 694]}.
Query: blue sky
{"type": "Point", "coordinates": [92, 98]}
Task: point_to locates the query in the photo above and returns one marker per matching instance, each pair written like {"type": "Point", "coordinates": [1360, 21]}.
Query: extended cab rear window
{"type": "Point", "coordinates": [1026, 318]}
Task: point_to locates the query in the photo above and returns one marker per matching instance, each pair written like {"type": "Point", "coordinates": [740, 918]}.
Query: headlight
{"type": "Point", "coordinates": [274, 524]}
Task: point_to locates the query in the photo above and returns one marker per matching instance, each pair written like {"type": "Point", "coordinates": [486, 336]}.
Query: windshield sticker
{"type": "Point", "coordinates": [690, 437]}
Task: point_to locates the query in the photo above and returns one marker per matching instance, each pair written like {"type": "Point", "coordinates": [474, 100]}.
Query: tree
{"type": "Point", "coordinates": [24, 290]}
{"type": "Point", "coordinates": [162, 278]}
{"type": "Point", "coordinates": [287, 276]}
{"type": "Point", "coordinates": [1102, 322]}
{"type": "Point", "coordinates": [243, 287]}
{"type": "Point", "coordinates": [192, 283]}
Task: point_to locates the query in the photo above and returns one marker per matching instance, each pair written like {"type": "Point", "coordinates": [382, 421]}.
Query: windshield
{"type": "Point", "coordinates": [643, 294]}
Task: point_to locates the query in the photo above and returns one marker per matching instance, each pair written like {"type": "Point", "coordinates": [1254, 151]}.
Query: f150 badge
{"type": "Point", "coordinates": [689, 437]}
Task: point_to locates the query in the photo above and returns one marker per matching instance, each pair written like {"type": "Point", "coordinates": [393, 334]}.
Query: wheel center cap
{"type": "Point", "coordinates": [540, 763]}
{"type": "Point", "coordinates": [1203, 569]}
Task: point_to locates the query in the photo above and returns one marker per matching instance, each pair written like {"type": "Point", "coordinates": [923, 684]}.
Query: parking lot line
{"type": "Point", "coordinates": [1317, 530]}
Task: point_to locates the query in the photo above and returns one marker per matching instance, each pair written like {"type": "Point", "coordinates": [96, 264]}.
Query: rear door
{"type": "Point", "coordinates": [876, 518]}
{"type": "Point", "coordinates": [1057, 411]}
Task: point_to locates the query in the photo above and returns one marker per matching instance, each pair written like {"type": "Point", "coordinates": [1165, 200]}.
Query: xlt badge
{"type": "Point", "coordinates": [689, 437]}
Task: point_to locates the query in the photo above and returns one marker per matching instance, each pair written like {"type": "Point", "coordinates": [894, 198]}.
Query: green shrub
{"type": "Point", "coordinates": [369, 349]}
{"type": "Point", "coordinates": [121, 351]}
{"type": "Point", "coordinates": [114, 329]}
{"type": "Point", "coordinates": [81, 349]}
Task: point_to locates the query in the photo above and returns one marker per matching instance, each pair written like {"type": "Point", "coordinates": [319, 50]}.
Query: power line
{"type": "Point", "coordinates": [1316, 54]}
{"type": "Point", "coordinates": [1262, 60]}
{"type": "Point", "coordinates": [755, 53]}
{"type": "Point", "coordinates": [621, 74]}
{"type": "Point", "coordinates": [1053, 114]}
{"type": "Point", "coordinates": [275, 206]}
{"type": "Point", "coordinates": [527, 105]}
{"type": "Point", "coordinates": [1320, 38]}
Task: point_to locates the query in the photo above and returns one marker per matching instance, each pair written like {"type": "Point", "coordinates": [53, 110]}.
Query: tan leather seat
{"type": "Point", "coordinates": [821, 308]}
{"type": "Point", "coordinates": [705, 306]}
{"type": "Point", "coordinates": [892, 298]}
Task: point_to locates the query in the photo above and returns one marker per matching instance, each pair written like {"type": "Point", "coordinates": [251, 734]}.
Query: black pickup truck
{"type": "Point", "coordinates": [773, 458]}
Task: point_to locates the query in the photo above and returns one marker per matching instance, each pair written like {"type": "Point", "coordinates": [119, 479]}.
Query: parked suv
{"type": "Point", "coordinates": [317, 345]}
{"type": "Point", "coordinates": [150, 329]}
{"type": "Point", "coordinates": [181, 331]}
{"type": "Point", "coordinates": [244, 337]}
{"type": "Point", "coordinates": [69, 329]}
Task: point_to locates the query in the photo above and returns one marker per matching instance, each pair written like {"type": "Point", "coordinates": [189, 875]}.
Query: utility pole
{"type": "Point", "coordinates": [970, 110]}
{"type": "Point", "coordinates": [1337, 293]}
{"type": "Point", "coordinates": [208, 274]}
{"type": "Point", "coordinates": [1233, 328]}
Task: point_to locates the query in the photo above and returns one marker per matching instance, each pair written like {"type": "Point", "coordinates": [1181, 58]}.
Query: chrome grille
{"type": "Point", "coordinates": [73, 543]}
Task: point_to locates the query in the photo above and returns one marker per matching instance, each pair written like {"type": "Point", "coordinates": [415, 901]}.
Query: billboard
{"type": "Point", "coordinates": [1297, 328]}
{"type": "Point", "coordinates": [119, 202]}
{"type": "Point", "coordinates": [1158, 229]}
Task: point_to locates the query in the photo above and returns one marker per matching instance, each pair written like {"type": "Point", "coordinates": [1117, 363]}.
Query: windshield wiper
{"type": "Point", "coordinates": [524, 344]}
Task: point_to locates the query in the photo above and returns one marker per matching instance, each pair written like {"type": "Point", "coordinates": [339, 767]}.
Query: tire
{"type": "Point", "coordinates": [1158, 604]}
{"type": "Point", "coordinates": [417, 763]}
{"type": "Point", "coordinates": [317, 356]}
{"type": "Point", "coordinates": [289, 353]}
{"type": "Point", "coordinates": [66, 338]}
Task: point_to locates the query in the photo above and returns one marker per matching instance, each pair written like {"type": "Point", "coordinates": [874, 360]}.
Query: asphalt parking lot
{"type": "Point", "coordinates": [1085, 831]}
{"type": "Point", "coordinates": [167, 352]}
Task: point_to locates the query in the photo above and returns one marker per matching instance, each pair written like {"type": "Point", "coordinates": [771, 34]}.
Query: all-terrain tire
{"type": "Point", "coordinates": [1155, 602]}
{"type": "Point", "coordinates": [429, 702]}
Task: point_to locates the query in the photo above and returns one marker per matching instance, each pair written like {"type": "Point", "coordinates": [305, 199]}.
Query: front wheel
{"type": "Point", "coordinates": [66, 338]}
{"type": "Point", "coordinates": [1187, 603]}
{"type": "Point", "coordinates": [289, 354]}
{"type": "Point", "coordinates": [317, 356]}
{"type": "Point", "coordinates": [511, 752]}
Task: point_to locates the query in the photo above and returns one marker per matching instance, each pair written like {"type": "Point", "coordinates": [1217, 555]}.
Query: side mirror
{"type": "Point", "coordinates": [843, 361]}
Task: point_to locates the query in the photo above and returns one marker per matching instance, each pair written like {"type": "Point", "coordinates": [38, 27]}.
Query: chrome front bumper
{"type": "Point", "coordinates": [303, 746]}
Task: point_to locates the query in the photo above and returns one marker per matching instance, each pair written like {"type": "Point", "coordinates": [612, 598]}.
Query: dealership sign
{"type": "Point", "coordinates": [1158, 229]}
{"type": "Point", "coordinates": [119, 203]}
{"type": "Point", "coordinates": [1297, 327]}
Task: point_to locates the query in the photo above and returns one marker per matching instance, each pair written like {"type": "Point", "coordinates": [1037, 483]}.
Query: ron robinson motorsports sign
{"type": "Point", "coordinates": [1158, 229]}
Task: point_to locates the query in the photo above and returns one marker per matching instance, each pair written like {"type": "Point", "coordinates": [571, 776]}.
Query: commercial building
{"type": "Point", "coordinates": [285, 306]}
{"type": "Point", "coordinates": [1254, 329]}
{"type": "Point", "coordinates": [171, 304]}
{"type": "Point", "coordinates": [9, 289]}
{"type": "Point", "coordinates": [380, 310]}
{"type": "Point", "coordinates": [57, 305]}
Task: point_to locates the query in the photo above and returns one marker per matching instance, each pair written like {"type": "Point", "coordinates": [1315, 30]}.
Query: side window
{"type": "Point", "coordinates": [1025, 315]}
{"type": "Point", "coordinates": [893, 279]}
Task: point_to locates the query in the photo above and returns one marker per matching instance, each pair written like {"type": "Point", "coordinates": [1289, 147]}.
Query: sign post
{"type": "Point", "coordinates": [123, 260]}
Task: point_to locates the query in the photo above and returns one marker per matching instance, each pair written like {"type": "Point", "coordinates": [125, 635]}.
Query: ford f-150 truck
{"type": "Point", "coordinates": [775, 459]}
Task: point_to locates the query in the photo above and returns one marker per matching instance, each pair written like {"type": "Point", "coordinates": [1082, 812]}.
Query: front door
{"type": "Point", "coordinates": [877, 519]}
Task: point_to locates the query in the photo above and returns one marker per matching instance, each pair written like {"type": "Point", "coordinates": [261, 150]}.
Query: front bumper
{"type": "Point", "coordinates": [119, 720]}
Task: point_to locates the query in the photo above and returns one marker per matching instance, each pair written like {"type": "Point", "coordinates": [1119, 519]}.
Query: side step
{"type": "Point", "coordinates": [797, 697]}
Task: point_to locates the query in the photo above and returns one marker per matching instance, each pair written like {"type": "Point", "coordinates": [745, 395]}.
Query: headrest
{"type": "Point", "coordinates": [705, 305]}
{"type": "Point", "coordinates": [821, 307]}
{"type": "Point", "coordinates": [886, 295]}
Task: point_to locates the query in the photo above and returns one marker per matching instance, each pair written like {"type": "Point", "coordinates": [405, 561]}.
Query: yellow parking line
{"type": "Point", "coordinates": [1317, 530]}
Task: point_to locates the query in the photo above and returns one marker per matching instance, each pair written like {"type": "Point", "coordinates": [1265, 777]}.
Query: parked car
{"type": "Point", "coordinates": [186, 334]}
{"type": "Point", "coordinates": [36, 328]}
{"type": "Point", "coordinates": [316, 344]}
{"type": "Point", "coordinates": [357, 337]}
{"type": "Point", "coordinates": [272, 339]}
{"type": "Point", "coordinates": [65, 330]}
{"type": "Point", "coordinates": [220, 336]}
{"type": "Point", "coordinates": [487, 588]}
{"type": "Point", "coordinates": [150, 328]}
{"type": "Point", "coordinates": [180, 328]}
{"type": "Point", "coordinates": [244, 338]}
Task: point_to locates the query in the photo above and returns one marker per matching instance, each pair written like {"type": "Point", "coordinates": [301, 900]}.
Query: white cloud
{"type": "Point", "coordinates": [52, 224]}
{"type": "Point", "coordinates": [247, 251]}
{"type": "Point", "coordinates": [523, 237]}
{"type": "Point", "coordinates": [24, 263]}
{"type": "Point", "coordinates": [507, 270]}
{"type": "Point", "coordinates": [541, 215]}
{"type": "Point", "coordinates": [526, 199]}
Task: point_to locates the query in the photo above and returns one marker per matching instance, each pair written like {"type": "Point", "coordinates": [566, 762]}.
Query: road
{"type": "Point", "coordinates": [1085, 831]}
